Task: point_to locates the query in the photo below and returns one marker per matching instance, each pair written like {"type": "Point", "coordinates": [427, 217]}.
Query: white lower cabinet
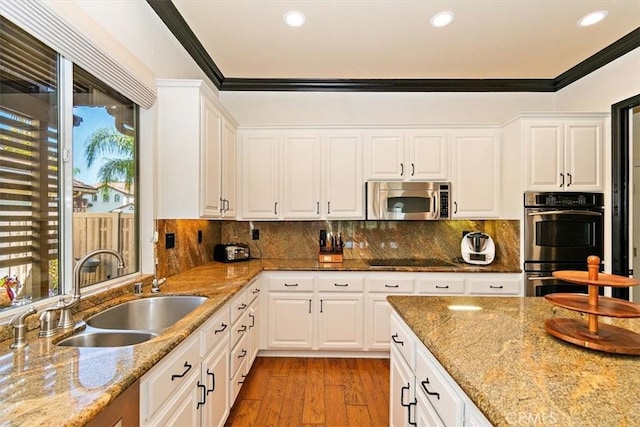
{"type": "Point", "coordinates": [349, 310]}
{"type": "Point", "coordinates": [197, 382]}
{"type": "Point", "coordinates": [290, 324]}
{"type": "Point", "coordinates": [434, 399]}
{"type": "Point", "coordinates": [170, 391]}
{"type": "Point", "coordinates": [215, 377]}
{"type": "Point", "coordinates": [340, 321]}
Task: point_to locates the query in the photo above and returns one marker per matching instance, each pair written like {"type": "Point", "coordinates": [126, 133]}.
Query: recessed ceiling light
{"type": "Point", "coordinates": [592, 18]}
{"type": "Point", "coordinates": [442, 19]}
{"type": "Point", "coordinates": [294, 18]}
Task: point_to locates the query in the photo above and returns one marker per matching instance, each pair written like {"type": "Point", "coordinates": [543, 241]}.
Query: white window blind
{"type": "Point", "coordinates": [40, 21]}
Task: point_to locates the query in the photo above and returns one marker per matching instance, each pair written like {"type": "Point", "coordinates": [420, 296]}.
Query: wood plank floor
{"type": "Point", "coordinates": [294, 391]}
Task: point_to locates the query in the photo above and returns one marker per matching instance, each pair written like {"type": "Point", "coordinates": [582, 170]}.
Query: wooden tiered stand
{"type": "Point", "coordinates": [595, 335]}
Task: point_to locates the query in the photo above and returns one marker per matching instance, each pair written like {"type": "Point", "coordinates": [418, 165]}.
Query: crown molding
{"type": "Point", "coordinates": [171, 17]}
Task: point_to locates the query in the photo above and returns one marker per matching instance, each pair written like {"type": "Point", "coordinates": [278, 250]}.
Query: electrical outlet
{"type": "Point", "coordinates": [255, 234]}
{"type": "Point", "coordinates": [170, 240]}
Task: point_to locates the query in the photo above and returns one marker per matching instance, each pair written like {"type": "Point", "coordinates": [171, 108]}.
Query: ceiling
{"type": "Point", "coordinates": [359, 40]}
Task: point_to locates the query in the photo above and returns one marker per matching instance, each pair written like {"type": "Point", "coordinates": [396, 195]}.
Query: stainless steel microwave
{"type": "Point", "coordinates": [408, 200]}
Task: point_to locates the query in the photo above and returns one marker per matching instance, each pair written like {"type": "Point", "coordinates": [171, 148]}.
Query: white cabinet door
{"type": "Point", "coordinates": [301, 177]}
{"type": "Point", "coordinates": [544, 151]}
{"type": "Point", "coordinates": [340, 321]}
{"type": "Point", "coordinates": [428, 155]}
{"type": "Point", "coordinates": [402, 403]}
{"type": "Point", "coordinates": [476, 173]}
{"type": "Point", "coordinates": [215, 378]}
{"type": "Point", "coordinates": [210, 150]}
{"type": "Point", "coordinates": [384, 155]}
{"type": "Point", "coordinates": [260, 176]}
{"type": "Point", "coordinates": [254, 330]}
{"type": "Point", "coordinates": [342, 177]}
{"type": "Point", "coordinates": [229, 192]}
{"type": "Point", "coordinates": [377, 323]}
{"type": "Point", "coordinates": [583, 155]}
{"type": "Point", "coordinates": [290, 320]}
{"type": "Point", "coordinates": [563, 154]}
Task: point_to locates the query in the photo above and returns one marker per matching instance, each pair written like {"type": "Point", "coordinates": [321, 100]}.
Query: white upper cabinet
{"type": "Point", "coordinates": [210, 155]}
{"type": "Point", "coordinates": [192, 126]}
{"type": "Point", "coordinates": [260, 177]}
{"type": "Point", "coordinates": [476, 173]}
{"type": "Point", "coordinates": [428, 155]}
{"type": "Point", "coordinates": [343, 187]}
{"type": "Point", "coordinates": [321, 174]}
{"type": "Point", "coordinates": [301, 177]}
{"type": "Point", "coordinates": [407, 155]}
{"type": "Point", "coordinates": [229, 192]}
{"type": "Point", "coordinates": [563, 154]}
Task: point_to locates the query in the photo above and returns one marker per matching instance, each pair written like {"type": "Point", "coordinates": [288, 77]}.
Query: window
{"type": "Point", "coordinates": [32, 173]}
{"type": "Point", "coordinates": [116, 198]}
{"type": "Point", "coordinates": [105, 197]}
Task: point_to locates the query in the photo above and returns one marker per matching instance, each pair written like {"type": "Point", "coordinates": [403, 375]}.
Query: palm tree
{"type": "Point", "coordinates": [121, 167]}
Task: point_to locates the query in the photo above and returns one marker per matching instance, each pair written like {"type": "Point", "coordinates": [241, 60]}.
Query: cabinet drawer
{"type": "Point", "coordinates": [238, 306]}
{"type": "Point", "coordinates": [495, 287]}
{"type": "Point", "coordinates": [291, 284]}
{"type": "Point", "coordinates": [403, 340]}
{"type": "Point", "coordinates": [169, 375]}
{"type": "Point", "coordinates": [390, 285]}
{"type": "Point", "coordinates": [236, 382]}
{"type": "Point", "coordinates": [252, 291]}
{"type": "Point", "coordinates": [239, 354]}
{"type": "Point", "coordinates": [431, 383]}
{"type": "Point", "coordinates": [239, 329]}
{"type": "Point", "coordinates": [440, 286]}
{"type": "Point", "coordinates": [341, 283]}
{"type": "Point", "coordinates": [215, 330]}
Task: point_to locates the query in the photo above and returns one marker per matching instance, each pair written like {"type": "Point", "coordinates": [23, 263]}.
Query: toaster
{"type": "Point", "coordinates": [231, 252]}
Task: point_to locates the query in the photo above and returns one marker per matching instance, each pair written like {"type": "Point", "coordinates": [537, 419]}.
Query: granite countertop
{"type": "Point", "coordinates": [44, 384]}
{"type": "Point", "coordinates": [515, 372]}
{"type": "Point", "coordinates": [35, 379]}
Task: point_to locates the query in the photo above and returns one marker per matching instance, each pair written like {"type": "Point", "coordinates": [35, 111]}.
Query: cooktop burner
{"type": "Point", "coordinates": [426, 262]}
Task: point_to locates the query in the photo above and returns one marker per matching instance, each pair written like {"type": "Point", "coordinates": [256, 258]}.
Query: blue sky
{"type": "Point", "coordinates": [92, 119]}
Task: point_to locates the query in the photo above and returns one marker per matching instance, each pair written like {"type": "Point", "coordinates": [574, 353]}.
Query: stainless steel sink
{"type": "Point", "coordinates": [106, 339]}
{"type": "Point", "coordinates": [133, 322]}
{"type": "Point", "coordinates": [147, 314]}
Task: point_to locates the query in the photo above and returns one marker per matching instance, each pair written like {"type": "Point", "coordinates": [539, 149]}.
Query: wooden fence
{"type": "Point", "coordinates": [108, 230]}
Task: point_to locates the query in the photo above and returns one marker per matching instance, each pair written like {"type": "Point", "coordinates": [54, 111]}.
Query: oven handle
{"type": "Point", "coordinates": [572, 212]}
{"type": "Point", "coordinates": [543, 278]}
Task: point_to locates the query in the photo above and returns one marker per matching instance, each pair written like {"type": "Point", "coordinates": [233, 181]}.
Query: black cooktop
{"type": "Point", "coordinates": [425, 262]}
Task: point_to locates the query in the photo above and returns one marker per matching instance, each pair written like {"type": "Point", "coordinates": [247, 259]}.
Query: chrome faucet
{"type": "Point", "coordinates": [66, 318]}
{"type": "Point", "coordinates": [19, 328]}
{"type": "Point", "coordinates": [155, 284]}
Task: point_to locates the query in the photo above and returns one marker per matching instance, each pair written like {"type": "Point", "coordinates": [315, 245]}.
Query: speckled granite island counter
{"type": "Point", "coordinates": [515, 372]}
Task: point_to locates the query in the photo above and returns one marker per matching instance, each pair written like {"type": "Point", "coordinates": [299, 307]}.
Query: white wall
{"type": "Point", "coordinates": [353, 108]}
{"type": "Point", "coordinates": [604, 87]}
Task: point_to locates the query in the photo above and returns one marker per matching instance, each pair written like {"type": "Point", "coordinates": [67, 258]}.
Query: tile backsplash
{"type": "Point", "coordinates": [299, 239]}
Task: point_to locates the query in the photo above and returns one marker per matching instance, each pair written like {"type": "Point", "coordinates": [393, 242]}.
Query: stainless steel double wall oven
{"type": "Point", "coordinates": [560, 231]}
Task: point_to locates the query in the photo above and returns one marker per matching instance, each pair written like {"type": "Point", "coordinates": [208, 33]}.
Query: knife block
{"type": "Point", "coordinates": [330, 256]}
